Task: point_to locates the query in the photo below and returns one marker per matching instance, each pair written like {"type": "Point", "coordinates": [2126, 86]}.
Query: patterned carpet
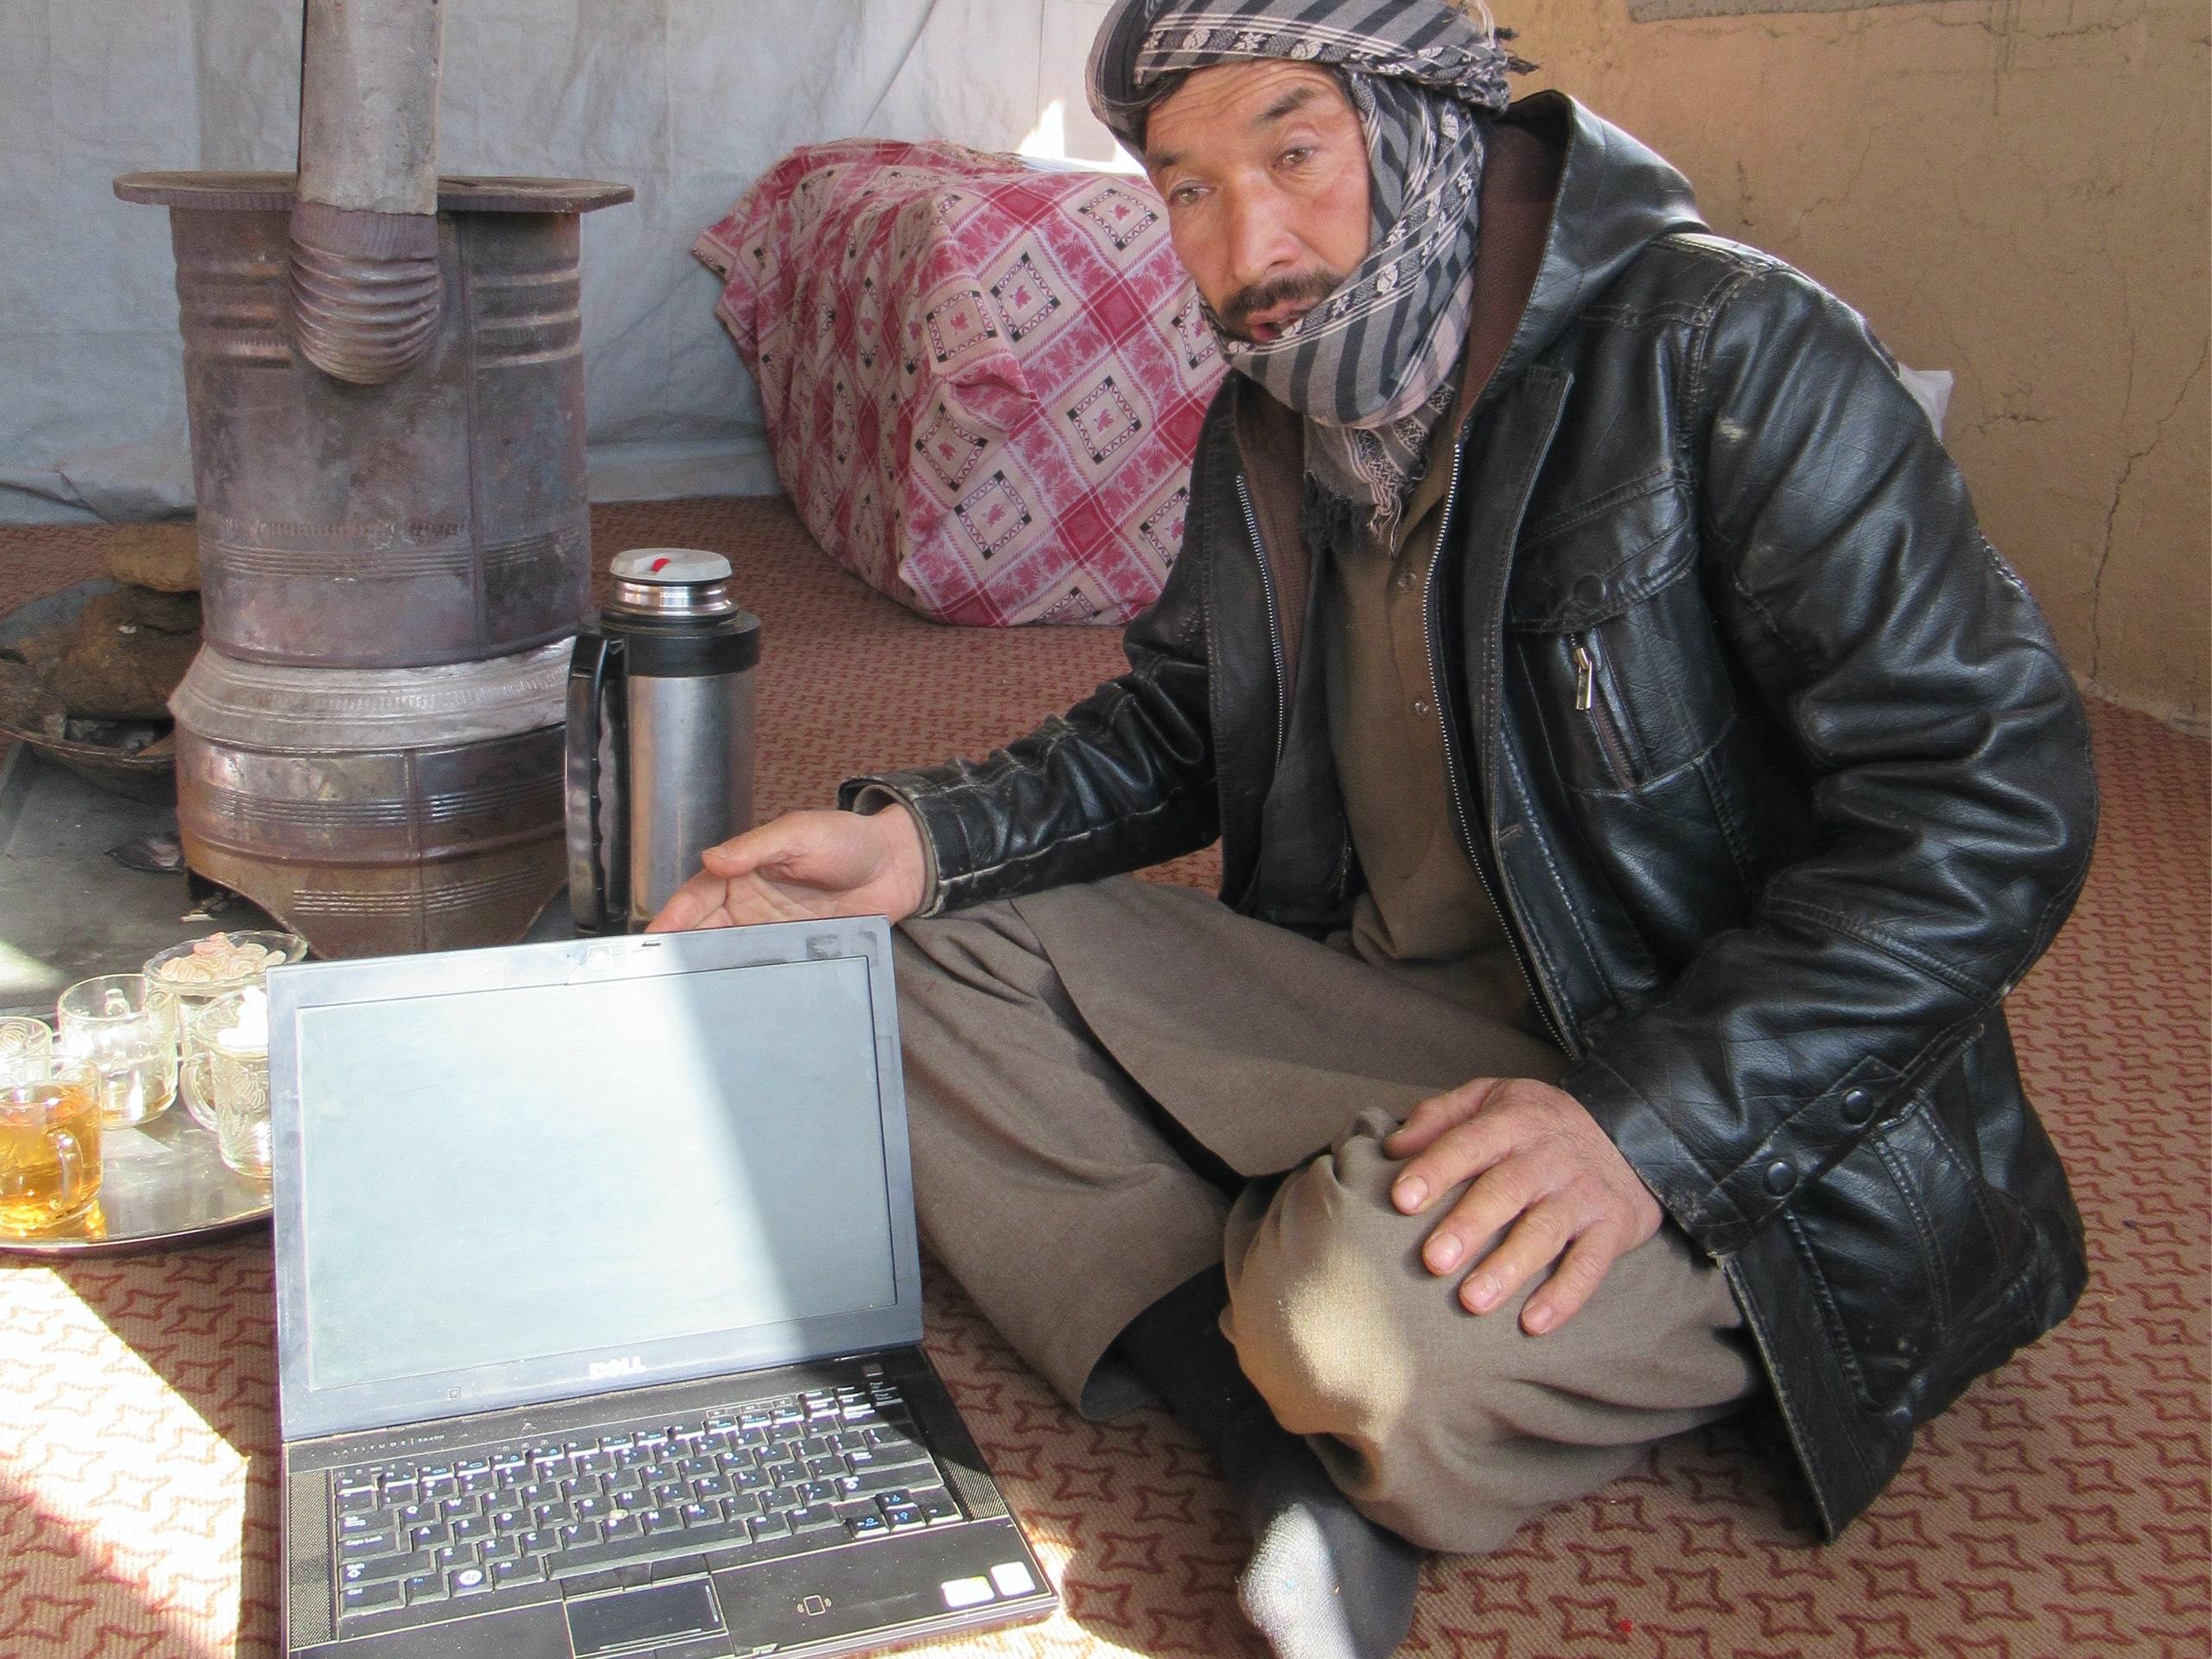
{"type": "Point", "coordinates": [2060, 1511]}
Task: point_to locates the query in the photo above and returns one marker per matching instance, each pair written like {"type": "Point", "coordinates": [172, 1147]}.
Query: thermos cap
{"type": "Point", "coordinates": [670, 564]}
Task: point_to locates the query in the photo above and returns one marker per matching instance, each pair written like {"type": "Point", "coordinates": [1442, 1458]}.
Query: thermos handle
{"type": "Point", "coordinates": [598, 874]}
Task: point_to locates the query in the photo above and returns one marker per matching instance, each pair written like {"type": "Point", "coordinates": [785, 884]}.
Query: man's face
{"type": "Point", "coordinates": [1264, 170]}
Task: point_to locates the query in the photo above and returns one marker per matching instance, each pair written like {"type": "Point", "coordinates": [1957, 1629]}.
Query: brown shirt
{"type": "Point", "coordinates": [1424, 914]}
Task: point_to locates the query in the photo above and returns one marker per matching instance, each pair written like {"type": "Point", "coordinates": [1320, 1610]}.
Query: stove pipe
{"type": "Point", "coordinates": [364, 281]}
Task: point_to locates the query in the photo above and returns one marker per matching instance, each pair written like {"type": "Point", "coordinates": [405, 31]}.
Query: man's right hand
{"type": "Point", "coordinates": [805, 865]}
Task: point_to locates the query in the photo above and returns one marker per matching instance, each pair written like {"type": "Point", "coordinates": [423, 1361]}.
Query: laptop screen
{"type": "Point", "coordinates": [583, 1181]}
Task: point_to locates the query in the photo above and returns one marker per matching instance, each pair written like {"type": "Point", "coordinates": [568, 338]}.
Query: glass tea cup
{"type": "Point", "coordinates": [125, 1029]}
{"type": "Point", "coordinates": [197, 974]}
{"type": "Point", "coordinates": [234, 1033]}
{"type": "Point", "coordinates": [26, 1048]}
{"type": "Point", "coordinates": [49, 1147]}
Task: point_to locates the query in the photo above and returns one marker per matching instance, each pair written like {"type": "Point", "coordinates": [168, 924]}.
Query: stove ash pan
{"type": "Point", "coordinates": [376, 812]}
{"type": "Point", "coordinates": [438, 517]}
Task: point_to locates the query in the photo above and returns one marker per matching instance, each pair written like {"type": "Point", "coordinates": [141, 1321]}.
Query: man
{"type": "Point", "coordinates": [1638, 784]}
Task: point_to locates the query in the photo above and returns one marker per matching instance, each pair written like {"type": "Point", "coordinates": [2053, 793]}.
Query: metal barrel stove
{"type": "Point", "coordinates": [369, 743]}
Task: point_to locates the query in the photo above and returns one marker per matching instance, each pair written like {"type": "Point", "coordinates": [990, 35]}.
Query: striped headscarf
{"type": "Point", "coordinates": [1371, 366]}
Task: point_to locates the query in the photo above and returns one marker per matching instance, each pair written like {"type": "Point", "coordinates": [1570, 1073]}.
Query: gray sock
{"type": "Point", "coordinates": [1324, 1582]}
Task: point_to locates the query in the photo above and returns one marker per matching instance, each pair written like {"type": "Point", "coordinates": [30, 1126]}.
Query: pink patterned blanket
{"type": "Point", "coordinates": [983, 381]}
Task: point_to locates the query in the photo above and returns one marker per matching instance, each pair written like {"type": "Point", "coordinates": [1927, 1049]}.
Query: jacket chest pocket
{"type": "Point", "coordinates": [1609, 635]}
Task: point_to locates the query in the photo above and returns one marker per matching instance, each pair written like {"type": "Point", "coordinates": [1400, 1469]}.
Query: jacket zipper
{"type": "Point", "coordinates": [1275, 619]}
{"type": "Point", "coordinates": [1451, 768]}
{"type": "Point", "coordinates": [1588, 701]}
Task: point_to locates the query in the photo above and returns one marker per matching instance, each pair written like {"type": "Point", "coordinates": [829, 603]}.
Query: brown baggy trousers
{"type": "Point", "coordinates": [1044, 1038]}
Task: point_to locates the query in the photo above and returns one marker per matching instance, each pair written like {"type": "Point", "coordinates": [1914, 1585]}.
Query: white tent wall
{"type": "Point", "coordinates": [688, 101]}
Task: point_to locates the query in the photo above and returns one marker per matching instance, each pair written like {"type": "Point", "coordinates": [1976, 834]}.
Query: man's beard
{"type": "Point", "coordinates": [1307, 289]}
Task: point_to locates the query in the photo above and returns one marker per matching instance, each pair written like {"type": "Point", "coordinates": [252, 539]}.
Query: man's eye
{"type": "Point", "coordinates": [1296, 155]}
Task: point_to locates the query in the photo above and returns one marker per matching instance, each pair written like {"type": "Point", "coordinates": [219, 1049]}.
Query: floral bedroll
{"type": "Point", "coordinates": [983, 381]}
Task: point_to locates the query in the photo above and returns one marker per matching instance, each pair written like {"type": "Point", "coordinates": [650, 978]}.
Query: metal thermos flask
{"type": "Point", "coordinates": [660, 735]}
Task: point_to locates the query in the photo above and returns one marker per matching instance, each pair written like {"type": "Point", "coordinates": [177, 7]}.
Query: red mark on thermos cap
{"type": "Point", "coordinates": [658, 565]}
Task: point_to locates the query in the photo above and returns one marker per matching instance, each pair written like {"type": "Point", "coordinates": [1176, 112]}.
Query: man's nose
{"type": "Point", "coordinates": [1261, 243]}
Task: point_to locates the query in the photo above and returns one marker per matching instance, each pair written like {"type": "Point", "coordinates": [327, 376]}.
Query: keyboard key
{"type": "Point", "coordinates": [468, 1582]}
{"type": "Point", "coordinates": [361, 1500]}
{"type": "Point", "coordinates": [371, 1598]}
{"type": "Point", "coordinates": [768, 1526]}
{"type": "Point", "coordinates": [938, 1510]}
{"type": "Point", "coordinates": [387, 1569]}
{"type": "Point", "coordinates": [424, 1586]}
{"type": "Point", "coordinates": [904, 1517]}
{"type": "Point", "coordinates": [363, 1545]}
{"type": "Point", "coordinates": [813, 1517]}
{"type": "Point", "coordinates": [868, 1526]}
{"type": "Point", "coordinates": [530, 1569]}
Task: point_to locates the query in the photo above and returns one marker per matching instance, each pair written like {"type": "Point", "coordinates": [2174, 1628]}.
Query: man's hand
{"type": "Point", "coordinates": [805, 864]}
{"type": "Point", "coordinates": [1549, 1185]}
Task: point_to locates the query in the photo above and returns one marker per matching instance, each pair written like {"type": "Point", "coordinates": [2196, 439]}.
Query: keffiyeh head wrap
{"type": "Point", "coordinates": [1370, 366]}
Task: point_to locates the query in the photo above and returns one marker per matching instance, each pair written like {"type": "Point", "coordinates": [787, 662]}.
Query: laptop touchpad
{"type": "Point", "coordinates": [624, 1620]}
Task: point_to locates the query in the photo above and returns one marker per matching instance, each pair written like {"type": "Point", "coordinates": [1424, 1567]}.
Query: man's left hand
{"type": "Point", "coordinates": [1549, 1185]}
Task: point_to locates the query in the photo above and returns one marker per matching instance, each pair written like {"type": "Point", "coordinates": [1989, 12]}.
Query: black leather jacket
{"type": "Point", "coordinates": [1766, 756]}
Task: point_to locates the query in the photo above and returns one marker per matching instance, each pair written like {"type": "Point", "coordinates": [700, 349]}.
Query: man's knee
{"type": "Point", "coordinates": [1335, 1319]}
{"type": "Point", "coordinates": [1451, 1427]}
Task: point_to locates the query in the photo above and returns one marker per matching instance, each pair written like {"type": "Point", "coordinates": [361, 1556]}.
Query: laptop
{"type": "Point", "coordinates": [598, 1307]}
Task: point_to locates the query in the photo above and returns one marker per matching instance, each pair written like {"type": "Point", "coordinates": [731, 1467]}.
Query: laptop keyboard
{"type": "Point", "coordinates": [774, 1475]}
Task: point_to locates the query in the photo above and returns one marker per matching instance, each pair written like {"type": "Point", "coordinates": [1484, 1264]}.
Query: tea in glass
{"type": "Point", "coordinates": [197, 974]}
{"type": "Point", "coordinates": [49, 1149]}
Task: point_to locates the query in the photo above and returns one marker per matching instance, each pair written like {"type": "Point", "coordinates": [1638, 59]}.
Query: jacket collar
{"type": "Point", "coordinates": [1613, 197]}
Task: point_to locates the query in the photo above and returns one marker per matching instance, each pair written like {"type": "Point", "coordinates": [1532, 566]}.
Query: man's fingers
{"type": "Point", "coordinates": [1572, 1283]}
{"type": "Point", "coordinates": [743, 854]}
{"type": "Point", "coordinates": [1437, 1115]}
{"type": "Point", "coordinates": [1533, 1237]}
{"type": "Point", "coordinates": [689, 906]}
{"type": "Point", "coordinates": [1453, 1153]}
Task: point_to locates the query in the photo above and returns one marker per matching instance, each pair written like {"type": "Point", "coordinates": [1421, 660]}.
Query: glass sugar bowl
{"type": "Point", "coordinates": [198, 973]}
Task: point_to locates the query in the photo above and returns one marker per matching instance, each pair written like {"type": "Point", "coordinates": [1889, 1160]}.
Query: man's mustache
{"type": "Point", "coordinates": [1308, 288]}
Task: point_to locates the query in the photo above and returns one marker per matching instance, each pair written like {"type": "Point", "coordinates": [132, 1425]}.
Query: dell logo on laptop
{"type": "Point", "coordinates": [629, 1365]}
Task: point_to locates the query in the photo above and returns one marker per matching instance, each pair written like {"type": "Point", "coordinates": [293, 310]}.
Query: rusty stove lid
{"type": "Point", "coordinates": [267, 192]}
